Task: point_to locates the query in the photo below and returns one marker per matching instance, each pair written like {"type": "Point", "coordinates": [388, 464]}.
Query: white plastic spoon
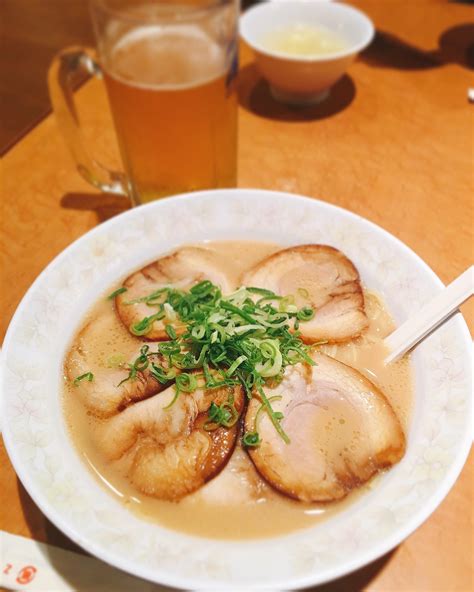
{"type": "Point", "coordinates": [430, 316]}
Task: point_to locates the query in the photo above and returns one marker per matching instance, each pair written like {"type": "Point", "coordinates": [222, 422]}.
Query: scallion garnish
{"type": "Point", "coordinates": [145, 325]}
{"type": "Point", "coordinates": [305, 314]}
{"type": "Point", "coordinates": [88, 376]}
{"type": "Point", "coordinates": [221, 415]}
{"type": "Point", "coordinates": [251, 440]}
{"type": "Point", "coordinates": [139, 365]}
{"type": "Point", "coordinates": [183, 383]}
{"type": "Point", "coordinates": [115, 361]}
{"type": "Point", "coordinates": [117, 293]}
{"type": "Point", "coordinates": [287, 304]}
{"type": "Point", "coordinates": [186, 382]}
{"type": "Point", "coordinates": [247, 338]}
{"type": "Point", "coordinates": [170, 331]}
{"type": "Point", "coordinates": [303, 292]}
{"type": "Point", "coordinates": [161, 375]}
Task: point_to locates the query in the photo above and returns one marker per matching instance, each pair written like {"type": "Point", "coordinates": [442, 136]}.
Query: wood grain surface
{"type": "Point", "coordinates": [32, 32]}
{"type": "Point", "coordinates": [394, 143]}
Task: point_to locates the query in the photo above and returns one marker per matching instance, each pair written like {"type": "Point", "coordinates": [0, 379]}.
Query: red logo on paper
{"type": "Point", "coordinates": [26, 574]}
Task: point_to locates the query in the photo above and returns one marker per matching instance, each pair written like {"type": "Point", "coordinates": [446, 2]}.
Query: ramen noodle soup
{"type": "Point", "coordinates": [173, 101]}
{"type": "Point", "coordinates": [243, 492]}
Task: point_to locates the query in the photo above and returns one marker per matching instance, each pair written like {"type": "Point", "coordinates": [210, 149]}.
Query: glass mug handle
{"type": "Point", "coordinates": [65, 67]}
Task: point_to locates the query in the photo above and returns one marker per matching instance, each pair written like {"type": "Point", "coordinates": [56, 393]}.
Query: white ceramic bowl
{"type": "Point", "coordinates": [61, 485]}
{"type": "Point", "coordinates": [303, 80]}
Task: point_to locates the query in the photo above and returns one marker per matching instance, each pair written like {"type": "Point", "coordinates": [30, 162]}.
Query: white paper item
{"type": "Point", "coordinates": [38, 567]}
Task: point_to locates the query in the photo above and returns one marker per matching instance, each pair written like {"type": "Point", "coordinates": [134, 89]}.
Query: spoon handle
{"type": "Point", "coordinates": [430, 316]}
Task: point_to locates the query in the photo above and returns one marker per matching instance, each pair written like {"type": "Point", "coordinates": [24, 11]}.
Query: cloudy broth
{"type": "Point", "coordinates": [237, 503]}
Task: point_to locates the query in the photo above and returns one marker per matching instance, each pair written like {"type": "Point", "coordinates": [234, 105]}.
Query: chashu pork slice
{"type": "Point", "coordinates": [182, 269]}
{"type": "Point", "coordinates": [320, 277]}
{"type": "Point", "coordinates": [170, 453]}
{"type": "Point", "coordinates": [341, 427]}
{"type": "Point", "coordinates": [108, 391]}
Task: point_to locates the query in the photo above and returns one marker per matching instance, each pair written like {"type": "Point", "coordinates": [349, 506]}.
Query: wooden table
{"type": "Point", "coordinates": [33, 31]}
{"type": "Point", "coordinates": [394, 144]}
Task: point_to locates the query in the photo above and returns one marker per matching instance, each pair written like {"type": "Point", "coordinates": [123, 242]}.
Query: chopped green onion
{"type": "Point", "coordinates": [278, 415]}
{"type": "Point", "coordinates": [145, 325]}
{"type": "Point", "coordinates": [183, 383]}
{"type": "Point", "coordinates": [174, 399]}
{"type": "Point", "coordinates": [170, 331]}
{"type": "Point", "coordinates": [251, 440]}
{"type": "Point", "coordinates": [286, 303]}
{"type": "Point", "coordinates": [274, 419]}
{"type": "Point", "coordinates": [141, 363]}
{"type": "Point", "coordinates": [221, 415]}
{"type": "Point", "coordinates": [198, 332]}
{"type": "Point", "coordinates": [262, 292]}
{"type": "Point", "coordinates": [87, 376]}
{"type": "Point", "coordinates": [150, 299]}
{"type": "Point", "coordinates": [168, 348]}
{"type": "Point", "coordinates": [305, 314]}
{"type": "Point", "coordinates": [236, 310]}
{"type": "Point", "coordinates": [203, 288]}
{"type": "Point", "coordinates": [170, 313]}
{"type": "Point", "coordinates": [161, 375]}
{"type": "Point", "coordinates": [131, 376]}
{"type": "Point", "coordinates": [235, 365]}
{"type": "Point", "coordinates": [115, 361]}
{"type": "Point", "coordinates": [116, 293]}
{"type": "Point", "coordinates": [247, 338]}
{"type": "Point", "coordinates": [303, 292]}
{"type": "Point", "coordinates": [186, 382]}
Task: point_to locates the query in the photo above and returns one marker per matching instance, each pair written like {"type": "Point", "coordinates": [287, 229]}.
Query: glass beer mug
{"type": "Point", "coordinates": [169, 69]}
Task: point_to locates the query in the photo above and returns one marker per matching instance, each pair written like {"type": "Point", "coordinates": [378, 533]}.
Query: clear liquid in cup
{"type": "Point", "coordinates": [304, 40]}
{"type": "Point", "coordinates": [174, 105]}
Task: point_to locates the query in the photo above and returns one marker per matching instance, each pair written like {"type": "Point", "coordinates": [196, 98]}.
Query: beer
{"type": "Point", "coordinates": [173, 102]}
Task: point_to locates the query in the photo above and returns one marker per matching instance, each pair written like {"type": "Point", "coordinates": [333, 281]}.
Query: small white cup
{"type": "Point", "coordinates": [304, 80]}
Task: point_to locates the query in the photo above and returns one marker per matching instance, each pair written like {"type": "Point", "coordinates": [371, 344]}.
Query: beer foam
{"type": "Point", "coordinates": [166, 57]}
